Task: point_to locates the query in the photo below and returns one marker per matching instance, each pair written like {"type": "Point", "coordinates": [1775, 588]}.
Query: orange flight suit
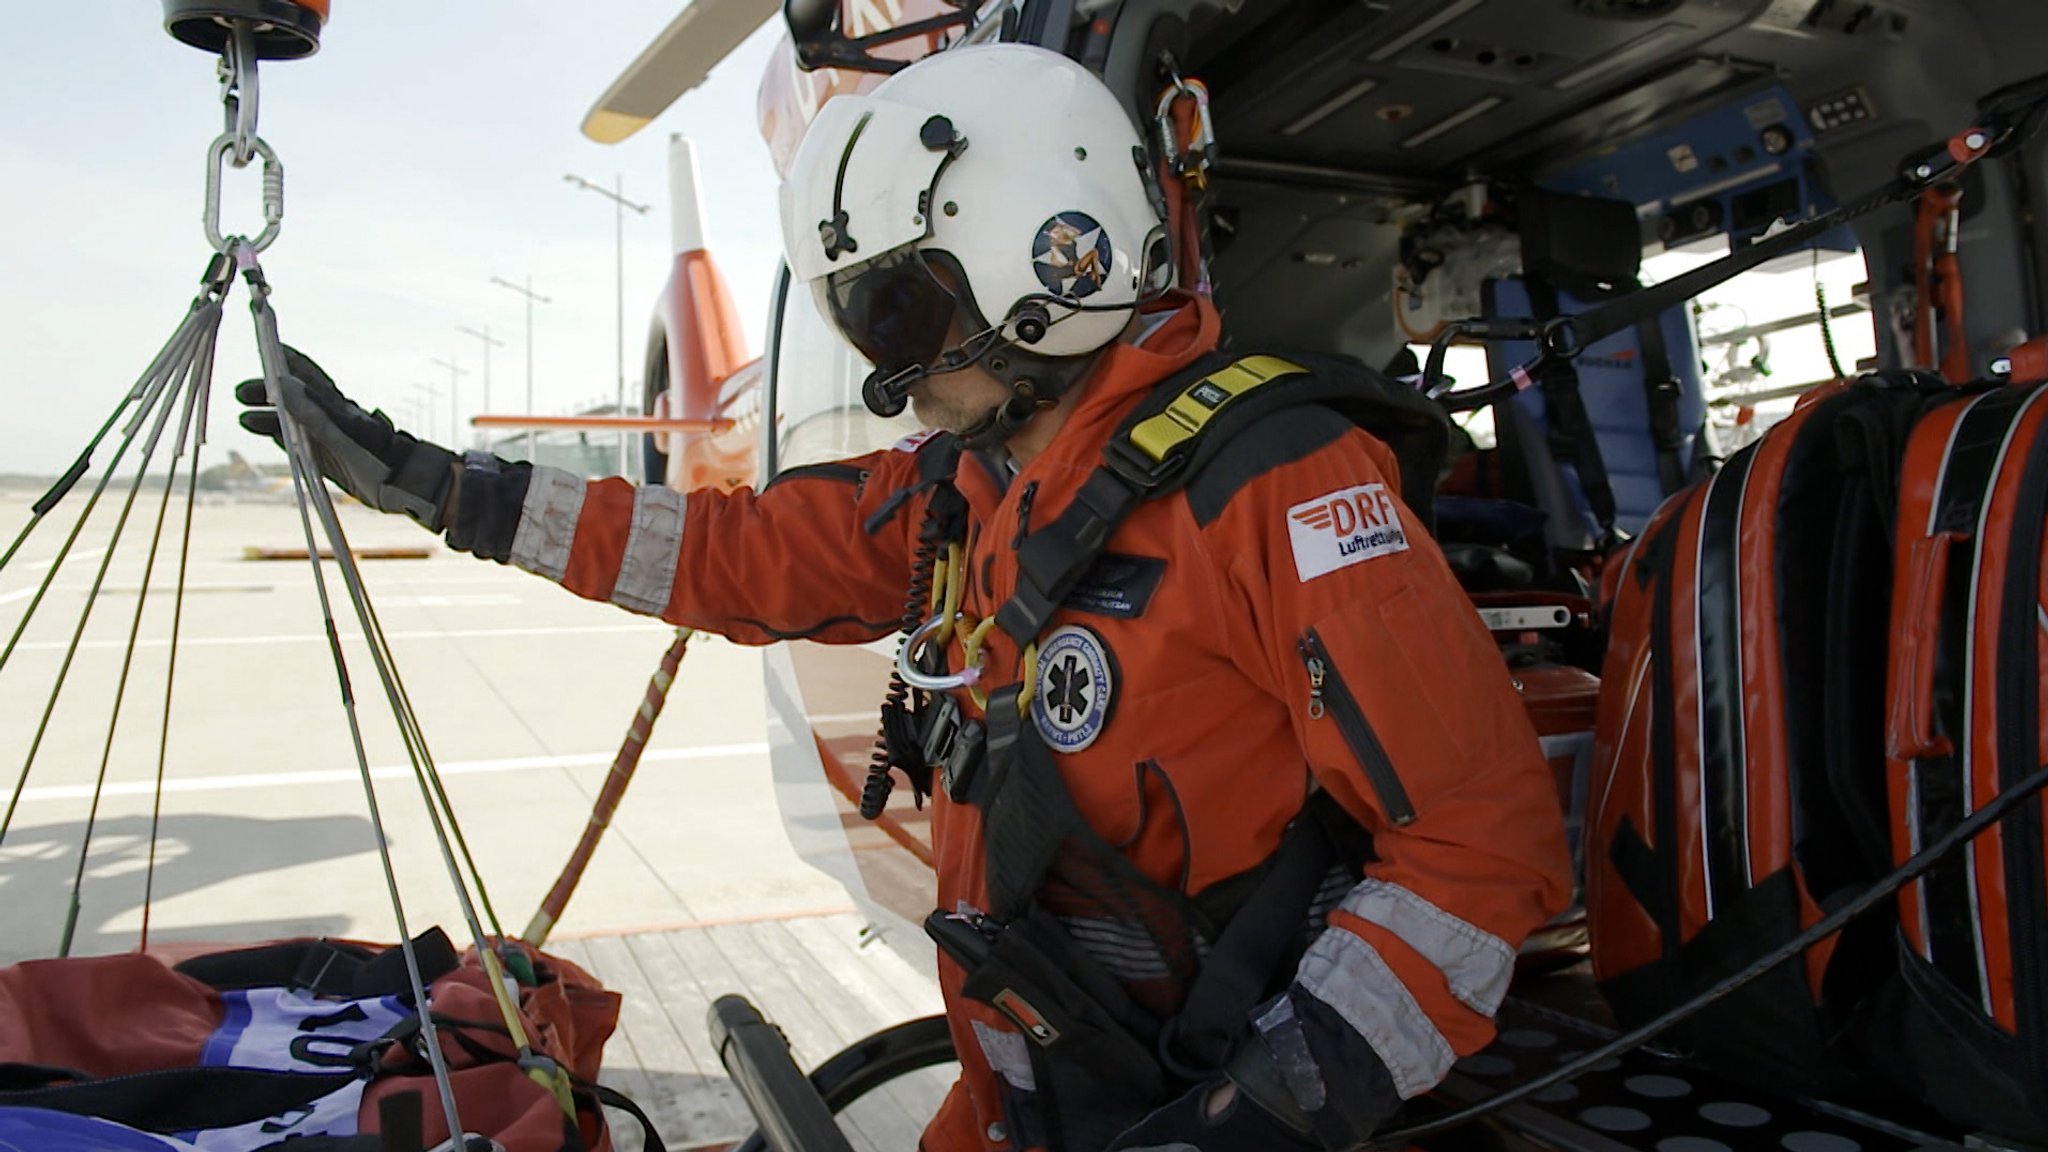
{"type": "Point", "coordinates": [1198, 732]}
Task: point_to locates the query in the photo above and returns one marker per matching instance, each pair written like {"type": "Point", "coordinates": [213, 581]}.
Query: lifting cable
{"type": "Point", "coordinates": [179, 380]}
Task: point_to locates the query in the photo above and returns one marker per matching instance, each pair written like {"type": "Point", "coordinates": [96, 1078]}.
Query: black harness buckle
{"type": "Point", "coordinates": [954, 745]}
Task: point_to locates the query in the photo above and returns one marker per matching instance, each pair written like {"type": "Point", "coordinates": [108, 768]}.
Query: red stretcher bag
{"type": "Point", "coordinates": [295, 1045]}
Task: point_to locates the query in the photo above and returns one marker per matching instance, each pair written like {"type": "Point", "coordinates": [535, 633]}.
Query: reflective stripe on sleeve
{"type": "Point", "coordinates": [647, 572]}
{"type": "Point", "coordinates": [1351, 977]}
{"type": "Point", "coordinates": [1476, 964]}
{"type": "Point", "coordinates": [547, 522]}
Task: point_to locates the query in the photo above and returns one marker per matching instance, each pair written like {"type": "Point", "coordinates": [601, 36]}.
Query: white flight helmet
{"type": "Point", "coordinates": [1001, 185]}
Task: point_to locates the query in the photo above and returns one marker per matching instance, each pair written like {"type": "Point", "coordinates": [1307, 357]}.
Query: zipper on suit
{"type": "Point", "coordinates": [1327, 696]}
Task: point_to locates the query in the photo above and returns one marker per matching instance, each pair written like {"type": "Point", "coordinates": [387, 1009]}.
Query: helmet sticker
{"type": "Point", "coordinates": [1071, 255]}
{"type": "Point", "coordinates": [1076, 686]}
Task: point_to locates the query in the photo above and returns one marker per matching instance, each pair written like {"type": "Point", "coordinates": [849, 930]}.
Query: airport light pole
{"type": "Point", "coordinates": [532, 298]}
{"type": "Point", "coordinates": [617, 195]}
{"type": "Point", "coordinates": [454, 391]}
{"type": "Point", "coordinates": [489, 344]}
{"type": "Point", "coordinates": [427, 405]}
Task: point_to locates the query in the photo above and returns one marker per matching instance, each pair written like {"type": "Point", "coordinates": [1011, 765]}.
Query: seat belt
{"type": "Point", "coordinates": [1571, 429]}
{"type": "Point", "coordinates": [1661, 391]}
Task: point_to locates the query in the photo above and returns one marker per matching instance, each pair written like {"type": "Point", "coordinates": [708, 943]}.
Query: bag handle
{"type": "Point", "coordinates": [1911, 733]}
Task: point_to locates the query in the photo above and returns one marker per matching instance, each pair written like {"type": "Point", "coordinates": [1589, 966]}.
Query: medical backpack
{"type": "Point", "coordinates": [1967, 1020]}
{"type": "Point", "coordinates": [1738, 787]}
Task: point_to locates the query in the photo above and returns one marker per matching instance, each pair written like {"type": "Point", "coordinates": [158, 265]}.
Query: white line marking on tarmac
{"type": "Point", "coordinates": [472, 600]}
{"type": "Point", "coordinates": [386, 772]}
{"type": "Point", "coordinates": [355, 637]}
{"type": "Point", "coordinates": [39, 565]}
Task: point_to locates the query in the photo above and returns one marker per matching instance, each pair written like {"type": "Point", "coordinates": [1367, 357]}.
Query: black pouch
{"type": "Point", "coordinates": [1092, 1048]}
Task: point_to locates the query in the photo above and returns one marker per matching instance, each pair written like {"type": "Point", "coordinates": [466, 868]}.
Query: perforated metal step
{"type": "Point", "coordinates": [1644, 1102]}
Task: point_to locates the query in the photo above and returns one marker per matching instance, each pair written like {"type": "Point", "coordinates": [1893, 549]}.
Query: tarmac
{"type": "Point", "coordinates": [523, 692]}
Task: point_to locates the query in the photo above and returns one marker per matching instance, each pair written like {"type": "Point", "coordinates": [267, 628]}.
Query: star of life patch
{"type": "Point", "coordinates": [1076, 684]}
{"type": "Point", "coordinates": [1346, 527]}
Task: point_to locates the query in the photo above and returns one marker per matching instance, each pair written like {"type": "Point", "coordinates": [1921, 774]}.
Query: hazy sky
{"type": "Point", "coordinates": [424, 149]}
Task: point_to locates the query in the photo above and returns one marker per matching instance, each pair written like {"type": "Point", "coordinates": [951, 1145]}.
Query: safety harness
{"type": "Point", "coordinates": [1108, 1047]}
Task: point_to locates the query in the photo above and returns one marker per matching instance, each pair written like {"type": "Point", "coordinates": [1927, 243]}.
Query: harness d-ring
{"type": "Point", "coordinates": [907, 668]}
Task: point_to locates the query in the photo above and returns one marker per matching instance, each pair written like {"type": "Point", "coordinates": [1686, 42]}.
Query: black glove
{"type": "Point", "coordinates": [1184, 1126]}
{"type": "Point", "coordinates": [372, 461]}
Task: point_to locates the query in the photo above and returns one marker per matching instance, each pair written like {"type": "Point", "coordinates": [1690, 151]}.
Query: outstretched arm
{"type": "Point", "coordinates": [823, 553]}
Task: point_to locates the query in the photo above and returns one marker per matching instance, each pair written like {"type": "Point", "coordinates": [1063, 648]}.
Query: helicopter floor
{"type": "Point", "coordinates": [809, 974]}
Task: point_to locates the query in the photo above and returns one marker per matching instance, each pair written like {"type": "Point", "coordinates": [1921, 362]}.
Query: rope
{"type": "Point", "coordinates": [624, 765]}
{"type": "Point", "coordinates": [197, 329]}
{"type": "Point", "coordinates": [311, 494]}
{"type": "Point", "coordinates": [191, 385]}
{"type": "Point", "coordinates": [171, 664]}
{"type": "Point", "coordinates": [50, 499]}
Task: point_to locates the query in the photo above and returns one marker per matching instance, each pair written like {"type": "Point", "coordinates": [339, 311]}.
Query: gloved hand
{"type": "Point", "coordinates": [1186, 1126]}
{"type": "Point", "coordinates": [372, 461]}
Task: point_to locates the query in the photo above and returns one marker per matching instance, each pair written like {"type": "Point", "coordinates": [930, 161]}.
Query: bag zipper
{"type": "Point", "coordinates": [1327, 695]}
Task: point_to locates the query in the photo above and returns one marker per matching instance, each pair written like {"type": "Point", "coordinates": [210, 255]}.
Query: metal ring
{"type": "Point", "coordinates": [273, 193]}
{"type": "Point", "coordinates": [925, 681]}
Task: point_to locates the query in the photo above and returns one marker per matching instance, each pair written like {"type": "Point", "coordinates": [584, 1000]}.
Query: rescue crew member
{"type": "Point", "coordinates": [1119, 772]}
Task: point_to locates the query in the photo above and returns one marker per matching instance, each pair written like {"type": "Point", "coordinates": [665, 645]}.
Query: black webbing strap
{"type": "Point", "coordinates": [1026, 810]}
{"type": "Point", "coordinates": [1596, 324]}
{"type": "Point", "coordinates": [650, 1136]}
{"type": "Point", "coordinates": [1661, 392]}
{"type": "Point", "coordinates": [2007, 120]}
{"type": "Point", "coordinates": [1054, 558]}
{"type": "Point", "coordinates": [1571, 429]}
{"type": "Point", "coordinates": [1237, 973]}
{"type": "Point", "coordinates": [326, 967]}
{"type": "Point", "coordinates": [180, 1099]}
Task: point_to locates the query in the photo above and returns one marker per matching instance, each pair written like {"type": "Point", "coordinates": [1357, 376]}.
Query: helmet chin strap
{"type": "Point", "coordinates": [1036, 384]}
{"type": "Point", "coordinates": [1002, 422]}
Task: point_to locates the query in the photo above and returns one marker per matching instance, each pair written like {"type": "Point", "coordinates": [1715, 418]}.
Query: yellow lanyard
{"type": "Point", "coordinates": [949, 586]}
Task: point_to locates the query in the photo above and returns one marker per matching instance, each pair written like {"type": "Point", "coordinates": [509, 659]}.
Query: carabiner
{"type": "Point", "coordinates": [273, 193]}
{"type": "Point", "coordinates": [1190, 158]}
{"type": "Point", "coordinates": [906, 657]}
{"type": "Point", "coordinates": [240, 92]}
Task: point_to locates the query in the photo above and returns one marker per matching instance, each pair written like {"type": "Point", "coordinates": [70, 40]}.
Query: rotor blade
{"type": "Point", "coordinates": [679, 59]}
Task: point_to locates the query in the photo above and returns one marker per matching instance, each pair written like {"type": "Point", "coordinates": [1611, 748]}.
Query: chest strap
{"type": "Point", "coordinates": [1176, 430]}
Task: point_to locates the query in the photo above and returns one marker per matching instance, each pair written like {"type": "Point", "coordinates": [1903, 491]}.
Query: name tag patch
{"type": "Point", "coordinates": [1346, 527]}
{"type": "Point", "coordinates": [1117, 585]}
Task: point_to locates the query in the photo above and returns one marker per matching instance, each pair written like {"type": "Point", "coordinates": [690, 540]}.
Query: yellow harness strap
{"type": "Point", "coordinates": [1184, 417]}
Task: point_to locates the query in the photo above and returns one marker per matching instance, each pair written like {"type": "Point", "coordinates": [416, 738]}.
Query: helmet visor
{"type": "Point", "coordinates": [892, 309]}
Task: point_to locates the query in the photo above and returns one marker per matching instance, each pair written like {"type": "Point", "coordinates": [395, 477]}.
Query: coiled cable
{"type": "Point", "coordinates": [897, 744]}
